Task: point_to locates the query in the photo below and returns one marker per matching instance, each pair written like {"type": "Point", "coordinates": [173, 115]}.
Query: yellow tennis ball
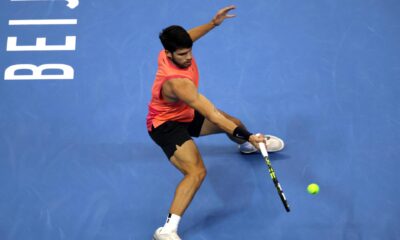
{"type": "Point", "coordinates": [313, 188]}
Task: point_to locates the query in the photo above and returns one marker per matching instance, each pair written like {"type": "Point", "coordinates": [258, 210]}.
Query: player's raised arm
{"type": "Point", "coordinates": [185, 90]}
{"type": "Point", "coordinates": [222, 14]}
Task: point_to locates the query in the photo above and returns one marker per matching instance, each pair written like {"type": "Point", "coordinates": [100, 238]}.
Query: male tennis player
{"type": "Point", "coordinates": [177, 112]}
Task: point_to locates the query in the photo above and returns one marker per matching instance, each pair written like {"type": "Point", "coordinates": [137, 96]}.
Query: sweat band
{"type": "Point", "coordinates": [241, 133]}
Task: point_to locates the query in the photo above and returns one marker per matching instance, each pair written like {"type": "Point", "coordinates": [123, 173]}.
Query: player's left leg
{"type": "Point", "coordinates": [209, 128]}
{"type": "Point", "coordinates": [203, 127]}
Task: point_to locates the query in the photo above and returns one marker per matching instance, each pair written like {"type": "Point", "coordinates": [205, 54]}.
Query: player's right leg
{"type": "Point", "coordinates": [188, 161]}
{"type": "Point", "coordinates": [178, 146]}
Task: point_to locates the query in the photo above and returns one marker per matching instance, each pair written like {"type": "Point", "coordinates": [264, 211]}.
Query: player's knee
{"type": "Point", "coordinates": [202, 174]}
{"type": "Point", "coordinates": [199, 175]}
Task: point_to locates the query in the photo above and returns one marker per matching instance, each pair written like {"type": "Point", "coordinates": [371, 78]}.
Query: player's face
{"type": "Point", "coordinates": [181, 57]}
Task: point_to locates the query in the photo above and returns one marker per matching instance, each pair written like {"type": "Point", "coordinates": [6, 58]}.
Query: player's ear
{"type": "Point", "coordinates": [168, 53]}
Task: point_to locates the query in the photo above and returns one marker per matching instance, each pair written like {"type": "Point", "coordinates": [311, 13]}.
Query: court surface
{"type": "Point", "coordinates": [76, 161]}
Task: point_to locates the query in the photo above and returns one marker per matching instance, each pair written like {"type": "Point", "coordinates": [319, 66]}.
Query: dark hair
{"type": "Point", "coordinates": [175, 37]}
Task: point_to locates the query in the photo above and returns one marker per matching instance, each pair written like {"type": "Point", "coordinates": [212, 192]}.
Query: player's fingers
{"type": "Point", "coordinates": [224, 11]}
{"type": "Point", "coordinates": [260, 138]}
{"type": "Point", "coordinates": [228, 8]}
{"type": "Point", "coordinates": [230, 16]}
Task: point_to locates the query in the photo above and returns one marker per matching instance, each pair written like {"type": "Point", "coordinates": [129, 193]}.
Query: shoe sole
{"type": "Point", "coordinates": [248, 153]}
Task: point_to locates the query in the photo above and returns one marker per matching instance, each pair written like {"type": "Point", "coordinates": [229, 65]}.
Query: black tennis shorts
{"type": "Point", "coordinates": [171, 133]}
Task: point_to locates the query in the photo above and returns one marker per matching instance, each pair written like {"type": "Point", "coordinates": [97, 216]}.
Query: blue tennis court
{"type": "Point", "coordinates": [76, 161]}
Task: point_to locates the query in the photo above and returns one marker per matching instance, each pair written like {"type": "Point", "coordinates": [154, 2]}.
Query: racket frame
{"type": "Point", "coordinates": [271, 170]}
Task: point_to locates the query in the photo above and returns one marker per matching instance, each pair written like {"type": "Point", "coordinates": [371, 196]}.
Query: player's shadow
{"type": "Point", "coordinates": [224, 149]}
{"type": "Point", "coordinates": [209, 220]}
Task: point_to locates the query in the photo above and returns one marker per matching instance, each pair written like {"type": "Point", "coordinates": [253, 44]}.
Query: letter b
{"type": "Point", "coordinates": [37, 72]}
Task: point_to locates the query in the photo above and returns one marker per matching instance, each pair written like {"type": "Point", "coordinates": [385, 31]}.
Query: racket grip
{"type": "Point", "coordinates": [263, 149]}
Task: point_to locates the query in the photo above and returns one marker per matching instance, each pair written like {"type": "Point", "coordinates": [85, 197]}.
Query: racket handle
{"type": "Point", "coordinates": [263, 149]}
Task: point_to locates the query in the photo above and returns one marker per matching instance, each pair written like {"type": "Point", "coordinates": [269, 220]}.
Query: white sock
{"type": "Point", "coordinates": [171, 225]}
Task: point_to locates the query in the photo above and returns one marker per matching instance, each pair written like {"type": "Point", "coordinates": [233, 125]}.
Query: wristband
{"type": "Point", "coordinates": [242, 133]}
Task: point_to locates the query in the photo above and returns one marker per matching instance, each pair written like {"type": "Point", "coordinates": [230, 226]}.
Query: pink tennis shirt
{"type": "Point", "coordinates": [161, 111]}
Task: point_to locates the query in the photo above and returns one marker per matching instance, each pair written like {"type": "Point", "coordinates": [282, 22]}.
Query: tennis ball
{"type": "Point", "coordinates": [313, 188]}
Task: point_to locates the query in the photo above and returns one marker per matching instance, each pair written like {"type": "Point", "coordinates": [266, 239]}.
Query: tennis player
{"type": "Point", "coordinates": [178, 112]}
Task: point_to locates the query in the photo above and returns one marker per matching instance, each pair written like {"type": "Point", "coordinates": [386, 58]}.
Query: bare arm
{"type": "Point", "coordinates": [198, 32]}
{"type": "Point", "coordinates": [186, 91]}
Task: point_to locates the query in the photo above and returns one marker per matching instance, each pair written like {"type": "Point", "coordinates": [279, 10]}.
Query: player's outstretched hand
{"type": "Point", "coordinates": [257, 138]}
{"type": "Point", "coordinates": [222, 14]}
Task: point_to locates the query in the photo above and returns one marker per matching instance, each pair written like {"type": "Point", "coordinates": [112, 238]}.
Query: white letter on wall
{"type": "Point", "coordinates": [70, 45]}
{"type": "Point", "coordinates": [37, 72]}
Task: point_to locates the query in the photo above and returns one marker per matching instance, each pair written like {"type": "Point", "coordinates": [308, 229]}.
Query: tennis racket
{"type": "Point", "coordinates": [278, 187]}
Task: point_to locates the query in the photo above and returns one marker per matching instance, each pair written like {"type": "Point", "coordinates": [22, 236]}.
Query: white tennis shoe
{"type": "Point", "coordinates": [165, 236]}
{"type": "Point", "coordinates": [247, 148]}
{"type": "Point", "coordinates": [274, 144]}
